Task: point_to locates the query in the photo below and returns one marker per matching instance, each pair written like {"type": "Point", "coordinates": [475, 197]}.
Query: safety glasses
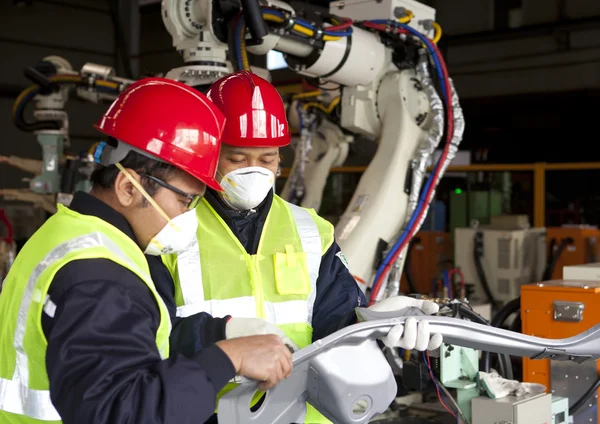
{"type": "Point", "coordinates": [194, 199]}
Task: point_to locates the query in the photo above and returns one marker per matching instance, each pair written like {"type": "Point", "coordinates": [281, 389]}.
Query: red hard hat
{"type": "Point", "coordinates": [170, 121]}
{"type": "Point", "coordinates": [254, 110]}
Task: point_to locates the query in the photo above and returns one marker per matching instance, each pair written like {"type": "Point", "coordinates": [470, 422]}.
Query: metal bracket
{"type": "Point", "coordinates": [568, 311]}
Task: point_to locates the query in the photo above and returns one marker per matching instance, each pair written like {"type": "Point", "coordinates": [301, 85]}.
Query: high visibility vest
{"type": "Point", "coordinates": [65, 237]}
{"type": "Point", "coordinates": [278, 283]}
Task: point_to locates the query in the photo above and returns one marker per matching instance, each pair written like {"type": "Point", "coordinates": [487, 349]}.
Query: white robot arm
{"type": "Point", "coordinates": [320, 147]}
{"type": "Point", "coordinates": [382, 63]}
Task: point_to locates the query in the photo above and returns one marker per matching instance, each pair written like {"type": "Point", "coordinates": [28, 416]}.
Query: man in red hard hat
{"type": "Point", "coordinates": [85, 334]}
{"type": "Point", "coordinates": [266, 265]}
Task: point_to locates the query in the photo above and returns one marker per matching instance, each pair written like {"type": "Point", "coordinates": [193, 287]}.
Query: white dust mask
{"type": "Point", "coordinates": [177, 235]}
{"type": "Point", "coordinates": [246, 188]}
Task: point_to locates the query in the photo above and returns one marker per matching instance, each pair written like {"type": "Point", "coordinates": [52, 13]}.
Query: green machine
{"type": "Point", "coordinates": [475, 205]}
{"type": "Point", "coordinates": [458, 370]}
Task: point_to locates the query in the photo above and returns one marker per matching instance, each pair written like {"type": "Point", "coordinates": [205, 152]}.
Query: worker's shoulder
{"type": "Point", "coordinates": [311, 211]}
{"type": "Point", "coordinates": [83, 271]}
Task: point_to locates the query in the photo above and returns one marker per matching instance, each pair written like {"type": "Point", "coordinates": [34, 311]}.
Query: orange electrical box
{"type": "Point", "coordinates": [429, 256]}
{"type": "Point", "coordinates": [556, 310]}
{"type": "Point", "coordinates": [584, 249]}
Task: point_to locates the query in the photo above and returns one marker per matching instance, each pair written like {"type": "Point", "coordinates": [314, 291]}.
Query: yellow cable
{"type": "Point", "coordinates": [327, 109]}
{"type": "Point", "coordinates": [108, 84]}
{"type": "Point", "coordinates": [298, 28]}
{"type": "Point", "coordinates": [408, 15]}
{"type": "Point", "coordinates": [307, 94]}
{"type": "Point", "coordinates": [56, 78]}
{"type": "Point", "coordinates": [438, 32]}
{"type": "Point", "coordinates": [333, 104]}
{"type": "Point", "coordinates": [245, 61]}
{"type": "Point", "coordinates": [92, 149]}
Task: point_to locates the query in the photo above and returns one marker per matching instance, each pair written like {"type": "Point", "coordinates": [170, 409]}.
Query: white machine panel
{"type": "Point", "coordinates": [363, 10]}
{"type": "Point", "coordinates": [510, 259]}
{"type": "Point", "coordinates": [587, 272]}
{"type": "Point", "coordinates": [527, 409]}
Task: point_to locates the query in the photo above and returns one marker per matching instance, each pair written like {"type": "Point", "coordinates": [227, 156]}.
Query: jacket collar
{"type": "Point", "coordinates": [86, 204]}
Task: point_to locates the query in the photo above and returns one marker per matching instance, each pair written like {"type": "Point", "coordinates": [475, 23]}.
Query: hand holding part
{"type": "Point", "coordinates": [412, 334]}
{"type": "Point", "coordinates": [242, 327]}
{"type": "Point", "coordinates": [261, 358]}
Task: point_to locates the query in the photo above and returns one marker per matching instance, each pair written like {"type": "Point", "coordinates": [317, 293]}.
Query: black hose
{"type": "Point", "coordinates": [504, 363]}
{"type": "Point", "coordinates": [407, 266]}
{"type": "Point", "coordinates": [477, 255]}
{"type": "Point", "coordinates": [551, 265]}
{"type": "Point", "coordinates": [120, 37]}
{"type": "Point", "coordinates": [502, 315]}
{"type": "Point", "coordinates": [231, 40]}
{"type": "Point", "coordinates": [574, 410]}
{"type": "Point", "coordinates": [254, 20]}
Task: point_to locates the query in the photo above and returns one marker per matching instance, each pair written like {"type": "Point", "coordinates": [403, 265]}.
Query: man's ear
{"type": "Point", "coordinates": [124, 189]}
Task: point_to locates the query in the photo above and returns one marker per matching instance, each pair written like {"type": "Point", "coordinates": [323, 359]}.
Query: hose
{"type": "Point", "coordinates": [504, 363]}
{"type": "Point", "coordinates": [477, 255]}
{"type": "Point", "coordinates": [550, 267]}
{"type": "Point", "coordinates": [502, 315]}
{"type": "Point", "coordinates": [574, 410]}
{"type": "Point", "coordinates": [254, 19]}
{"type": "Point", "coordinates": [28, 94]}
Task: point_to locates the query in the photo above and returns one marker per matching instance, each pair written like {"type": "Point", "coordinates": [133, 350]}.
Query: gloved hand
{"type": "Point", "coordinates": [498, 387]}
{"type": "Point", "coordinates": [412, 334]}
{"type": "Point", "coordinates": [242, 327]}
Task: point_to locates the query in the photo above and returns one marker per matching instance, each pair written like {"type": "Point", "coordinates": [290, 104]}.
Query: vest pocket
{"type": "Point", "coordinates": [291, 272]}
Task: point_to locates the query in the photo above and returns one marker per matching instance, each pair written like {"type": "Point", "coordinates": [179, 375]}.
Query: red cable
{"type": "Point", "coordinates": [347, 23]}
{"type": "Point", "coordinates": [449, 135]}
{"type": "Point", "coordinates": [460, 274]}
{"type": "Point", "coordinates": [9, 229]}
{"type": "Point", "coordinates": [437, 389]}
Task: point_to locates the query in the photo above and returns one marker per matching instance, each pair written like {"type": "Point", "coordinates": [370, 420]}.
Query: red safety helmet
{"type": "Point", "coordinates": [254, 110]}
{"type": "Point", "coordinates": [170, 121]}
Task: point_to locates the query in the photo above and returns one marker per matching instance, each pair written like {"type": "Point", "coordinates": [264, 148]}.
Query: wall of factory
{"type": "Point", "coordinates": [79, 34]}
{"type": "Point", "coordinates": [555, 45]}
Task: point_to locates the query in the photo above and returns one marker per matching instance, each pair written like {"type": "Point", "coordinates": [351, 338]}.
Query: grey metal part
{"type": "Point", "coordinates": [326, 373]}
{"type": "Point", "coordinates": [572, 381]}
{"type": "Point", "coordinates": [333, 382]}
{"type": "Point", "coordinates": [579, 348]}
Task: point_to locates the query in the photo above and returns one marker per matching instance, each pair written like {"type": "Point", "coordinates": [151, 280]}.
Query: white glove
{"type": "Point", "coordinates": [243, 327]}
{"type": "Point", "coordinates": [412, 334]}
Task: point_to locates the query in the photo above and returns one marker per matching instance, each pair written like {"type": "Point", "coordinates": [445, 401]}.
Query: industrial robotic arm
{"type": "Point", "coordinates": [322, 145]}
{"type": "Point", "coordinates": [395, 88]}
{"type": "Point", "coordinates": [57, 175]}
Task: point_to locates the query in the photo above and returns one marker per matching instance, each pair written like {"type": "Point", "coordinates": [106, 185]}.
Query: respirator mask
{"type": "Point", "coordinates": [178, 235]}
{"type": "Point", "coordinates": [246, 188]}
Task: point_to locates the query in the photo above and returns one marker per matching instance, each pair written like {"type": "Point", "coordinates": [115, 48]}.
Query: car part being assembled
{"type": "Point", "coordinates": [347, 378]}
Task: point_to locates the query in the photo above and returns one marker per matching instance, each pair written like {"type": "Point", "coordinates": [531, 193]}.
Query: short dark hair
{"type": "Point", "coordinates": [105, 176]}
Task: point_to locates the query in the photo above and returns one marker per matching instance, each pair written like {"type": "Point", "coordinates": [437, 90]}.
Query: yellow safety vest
{"type": "Point", "coordinates": [278, 283]}
{"type": "Point", "coordinates": [65, 237]}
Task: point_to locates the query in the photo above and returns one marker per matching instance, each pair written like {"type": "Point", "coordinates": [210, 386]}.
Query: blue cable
{"type": "Point", "coordinates": [426, 41]}
{"type": "Point", "coordinates": [412, 221]}
{"type": "Point", "coordinates": [307, 25]}
{"type": "Point", "coordinates": [438, 387]}
{"type": "Point", "coordinates": [433, 174]}
{"type": "Point", "coordinates": [237, 43]}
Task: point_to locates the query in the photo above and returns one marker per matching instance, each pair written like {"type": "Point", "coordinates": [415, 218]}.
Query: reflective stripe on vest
{"type": "Point", "coordinates": [277, 283]}
{"type": "Point", "coordinates": [279, 313]}
{"type": "Point", "coordinates": [16, 395]}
